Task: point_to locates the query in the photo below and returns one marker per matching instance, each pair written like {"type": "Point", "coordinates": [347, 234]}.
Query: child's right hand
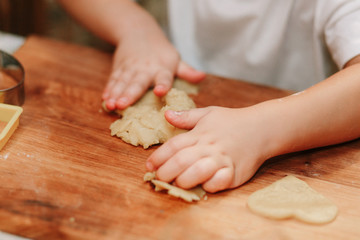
{"type": "Point", "coordinates": [140, 62]}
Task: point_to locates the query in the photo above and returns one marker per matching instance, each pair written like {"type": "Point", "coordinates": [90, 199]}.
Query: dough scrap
{"type": "Point", "coordinates": [144, 123]}
{"type": "Point", "coordinates": [292, 197]}
{"type": "Point", "coordinates": [194, 194]}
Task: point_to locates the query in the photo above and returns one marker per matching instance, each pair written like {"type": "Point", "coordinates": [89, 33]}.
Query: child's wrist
{"type": "Point", "coordinates": [275, 130]}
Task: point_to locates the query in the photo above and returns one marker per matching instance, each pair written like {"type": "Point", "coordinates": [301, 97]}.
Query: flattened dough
{"type": "Point", "coordinates": [292, 197]}
{"type": "Point", "coordinates": [194, 194]}
{"type": "Point", "coordinates": [144, 123]}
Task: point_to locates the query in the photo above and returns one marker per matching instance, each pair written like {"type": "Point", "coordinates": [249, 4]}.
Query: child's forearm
{"type": "Point", "coordinates": [112, 19]}
{"type": "Point", "coordinates": [325, 114]}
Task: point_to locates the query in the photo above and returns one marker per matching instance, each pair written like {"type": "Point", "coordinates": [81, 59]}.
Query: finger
{"type": "Point", "coordinates": [221, 180]}
{"type": "Point", "coordinates": [201, 171]}
{"type": "Point", "coordinates": [110, 104]}
{"type": "Point", "coordinates": [133, 91]}
{"type": "Point", "coordinates": [119, 85]}
{"type": "Point", "coordinates": [189, 74]}
{"type": "Point", "coordinates": [178, 163]}
{"type": "Point", "coordinates": [114, 76]}
{"type": "Point", "coordinates": [186, 119]}
{"type": "Point", "coordinates": [163, 82]}
{"type": "Point", "coordinates": [168, 149]}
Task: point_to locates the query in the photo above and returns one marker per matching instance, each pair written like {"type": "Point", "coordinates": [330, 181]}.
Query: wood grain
{"type": "Point", "coordinates": [64, 177]}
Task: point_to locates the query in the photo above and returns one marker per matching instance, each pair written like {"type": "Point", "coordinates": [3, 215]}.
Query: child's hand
{"type": "Point", "coordinates": [223, 150]}
{"type": "Point", "coordinates": [142, 62]}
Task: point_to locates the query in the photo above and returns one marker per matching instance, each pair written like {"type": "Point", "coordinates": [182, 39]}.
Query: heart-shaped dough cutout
{"type": "Point", "coordinates": [292, 197]}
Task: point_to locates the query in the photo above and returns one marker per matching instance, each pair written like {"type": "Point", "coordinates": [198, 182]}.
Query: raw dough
{"type": "Point", "coordinates": [194, 194]}
{"type": "Point", "coordinates": [144, 123]}
{"type": "Point", "coordinates": [291, 197]}
{"type": "Point", "coordinates": [187, 87]}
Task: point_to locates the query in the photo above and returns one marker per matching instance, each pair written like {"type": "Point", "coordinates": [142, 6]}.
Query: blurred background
{"type": "Point", "coordinates": [47, 18]}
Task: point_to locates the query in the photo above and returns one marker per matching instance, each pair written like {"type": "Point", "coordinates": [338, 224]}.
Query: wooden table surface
{"type": "Point", "coordinates": [64, 177]}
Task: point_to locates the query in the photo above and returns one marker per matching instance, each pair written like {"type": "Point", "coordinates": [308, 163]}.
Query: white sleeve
{"type": "Point", "coordinates": [342, 32]}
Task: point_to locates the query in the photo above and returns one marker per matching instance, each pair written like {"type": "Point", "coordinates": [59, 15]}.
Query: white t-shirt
{"type": "Point", "coordinates": [291, 44]}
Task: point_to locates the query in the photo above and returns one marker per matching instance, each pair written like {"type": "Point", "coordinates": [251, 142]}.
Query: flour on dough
{"type": "Point", "coordinates": [144, 123]}
{"type": "Point", "coordinates": [292, 197]}
{"type": "Point", "coordinates": [194, 194]}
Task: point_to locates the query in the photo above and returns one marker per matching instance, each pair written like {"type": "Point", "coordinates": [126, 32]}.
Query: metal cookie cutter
{"type": "Point", "coordinates": [11, 72]}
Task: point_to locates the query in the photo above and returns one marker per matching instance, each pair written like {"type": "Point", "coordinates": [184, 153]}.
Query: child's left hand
{"type": "Point", "coordinates": [223, 150]}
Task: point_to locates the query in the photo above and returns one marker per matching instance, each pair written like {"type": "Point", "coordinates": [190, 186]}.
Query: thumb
{"type": "Point", "coordinates": [186, 72]}
{"type": "Point", "coordinates": [185, 119]}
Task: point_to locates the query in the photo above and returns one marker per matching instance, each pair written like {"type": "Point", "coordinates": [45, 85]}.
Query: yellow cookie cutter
{"type": "Point", "coordinates": [9, 115]}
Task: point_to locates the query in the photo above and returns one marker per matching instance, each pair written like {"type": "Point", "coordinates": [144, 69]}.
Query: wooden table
{"type": "Point", "coordinates": [64, 177]}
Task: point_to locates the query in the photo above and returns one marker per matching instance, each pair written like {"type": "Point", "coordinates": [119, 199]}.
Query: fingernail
{"type": "Point", "coordinates": [173, 113]}
{"type": "Point", "coordinates": [122, 102]}
{"type": "Point", "coordinates": [110, 104]}
{"type": "Point", "coordinates": [149, 166]}
{"type": "Point", "coordinates": [178, 113]}
{"type": "Point", "coordinates": [159, 87]}
{"type": "Point", "coordinates": [160, 90]}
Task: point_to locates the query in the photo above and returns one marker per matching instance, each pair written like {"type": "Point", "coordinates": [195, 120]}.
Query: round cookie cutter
{"type": "Point", "coordinates": [10, 66]}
